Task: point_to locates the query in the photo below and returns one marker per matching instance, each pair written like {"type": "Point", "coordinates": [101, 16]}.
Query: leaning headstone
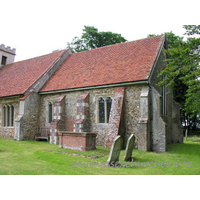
{"type": "Point", "coordinates": [115, 151]}
{"type": "Point", "coordinates": [129, 148]}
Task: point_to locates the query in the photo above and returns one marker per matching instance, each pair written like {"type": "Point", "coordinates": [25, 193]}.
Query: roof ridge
{"type": "Point", "coordinates": [17, 78]}
{"type": "Point", "coordinates": [36, 57]}
{"type": "Point", "coordinates": [107, 46]}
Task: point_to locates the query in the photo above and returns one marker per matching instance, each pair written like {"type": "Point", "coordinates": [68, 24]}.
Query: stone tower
{"type": "Point", "coordinates": [7, 55]}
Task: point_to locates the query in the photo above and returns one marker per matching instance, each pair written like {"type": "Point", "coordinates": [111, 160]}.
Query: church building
{"type": "Point", "coordinates": [97, 94]}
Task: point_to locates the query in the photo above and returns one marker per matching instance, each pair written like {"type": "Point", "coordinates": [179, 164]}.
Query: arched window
{"type": "Point", "coordinates": [101, 111]}
{"type": "Point", "coordinates": [104, 108]}
{"type": "Point", "coordinates": [12, 115]}
{"type": "Point", "coordinates": [4, 115]}
{"type": "Point", "coordinates": [8, 115]}
{"type": "Point", "coordinates": [50, 109]}
{"type": "Point", "coordinates": [109, 103]}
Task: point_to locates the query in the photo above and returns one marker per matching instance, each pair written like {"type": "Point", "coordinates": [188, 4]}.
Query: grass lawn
{"type": "Point", "coordinates": [31, 157]}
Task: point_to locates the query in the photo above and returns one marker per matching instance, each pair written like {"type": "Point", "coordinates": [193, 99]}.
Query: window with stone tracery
{"type": "Point", "coordinates": [8, 115]}
{"type": "Point", "coordinates": [104, 108]}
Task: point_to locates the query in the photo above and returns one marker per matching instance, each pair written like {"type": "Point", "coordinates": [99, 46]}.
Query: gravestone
{"type": "Point", "coordinates": [115, 151]}
{"type": "Point", "coordinates": [129, 148]}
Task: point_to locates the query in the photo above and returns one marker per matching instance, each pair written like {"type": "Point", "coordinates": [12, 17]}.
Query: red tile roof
{"type": "Point", "coordinates": [17, 77]}
{"type": "Point", "coordinates": [124, 62]}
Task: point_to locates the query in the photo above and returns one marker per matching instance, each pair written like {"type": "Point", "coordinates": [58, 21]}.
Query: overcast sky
{"type": "Point", "coordinates": [38, 27]}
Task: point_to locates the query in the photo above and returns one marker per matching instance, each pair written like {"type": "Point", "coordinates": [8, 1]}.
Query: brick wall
{"type": "Point", "coordinates": [82, 122]}
{"type": "Point", "coordinates": [115, 117]}
{"type": "Point", "coordinates": [58, 122]}
{"type": "Point", "coordinates": [77, 141]}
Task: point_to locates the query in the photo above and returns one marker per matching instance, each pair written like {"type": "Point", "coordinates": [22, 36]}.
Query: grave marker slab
{"type": "Point", "coordinates": [129, 148]}
{"type": "Point", "coordinates": [115, 150]}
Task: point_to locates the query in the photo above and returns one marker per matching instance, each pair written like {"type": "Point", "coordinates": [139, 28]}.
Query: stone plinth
{"type": "Point", "coordinates": [77, 141]}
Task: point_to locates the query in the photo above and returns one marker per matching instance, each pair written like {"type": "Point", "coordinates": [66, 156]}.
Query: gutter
{"type": "Point", "coordinates": [96, 87]}
{"type": "Point", "coordinates": [11, 96]}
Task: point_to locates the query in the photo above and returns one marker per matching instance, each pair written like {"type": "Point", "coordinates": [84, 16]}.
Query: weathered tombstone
{"type": "Point", "coordinates": [129, 148]}
{"type": "Point", "coordinates": [115, 151]}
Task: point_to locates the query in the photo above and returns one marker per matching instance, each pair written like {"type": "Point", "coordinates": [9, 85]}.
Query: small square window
{"type": "Point", "coordinates": [3, 60]}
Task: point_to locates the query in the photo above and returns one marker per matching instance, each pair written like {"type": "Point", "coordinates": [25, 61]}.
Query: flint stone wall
{"type": "Point", "coordinates": [130, 114]}
{"type": "Point", "coordinates": [173, 127]}
{"type": "Point", "coordinates": [29, 123]}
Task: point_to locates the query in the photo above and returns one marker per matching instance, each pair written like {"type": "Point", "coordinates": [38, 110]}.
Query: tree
{"type": "Point", "coordinates": [91, 39]}
{"type": "Point", "coordinates": [183, 67]}
{"type": "Point", "coordinates": [192, 29]}
{"type": "Point", "coordinates": [179, 88]}
{"type": "Point", "coordinates": [172, 39]}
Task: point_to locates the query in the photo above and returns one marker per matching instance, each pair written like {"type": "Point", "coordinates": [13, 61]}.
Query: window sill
{"type": "Point", "coordinates": [6, 127]}
{"type": "Point", "coordinates": [101, 123]}
{"type": "Point", "coordinates": [48, 124]}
